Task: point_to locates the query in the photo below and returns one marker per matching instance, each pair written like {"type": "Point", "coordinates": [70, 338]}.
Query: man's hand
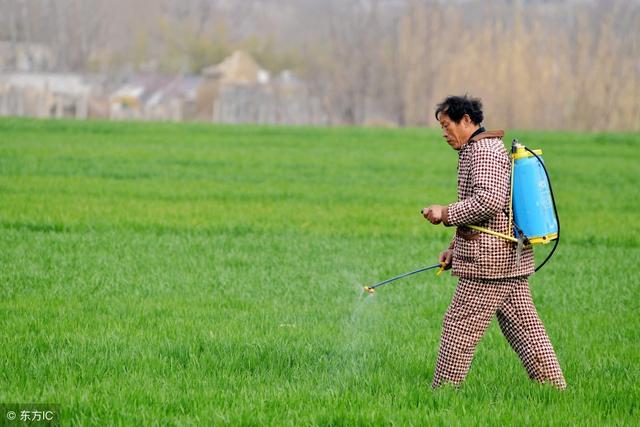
{"type": "Point", "coordinates": [446, 256]}
{"type": "Point", "coordinates": [433, 213]}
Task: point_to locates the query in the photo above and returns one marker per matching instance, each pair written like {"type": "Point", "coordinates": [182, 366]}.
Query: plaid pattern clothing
{"type": "Point", "coordinates": [474, 304]}
{"type": "Point", "coordinates": [484, 186]}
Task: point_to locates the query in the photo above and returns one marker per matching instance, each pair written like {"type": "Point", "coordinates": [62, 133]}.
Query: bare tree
{"type": "Point", "coordinates": [552, 64]}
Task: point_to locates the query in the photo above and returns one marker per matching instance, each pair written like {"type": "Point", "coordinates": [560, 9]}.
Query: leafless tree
{"type": "Point", "coordinates": [536, 63]}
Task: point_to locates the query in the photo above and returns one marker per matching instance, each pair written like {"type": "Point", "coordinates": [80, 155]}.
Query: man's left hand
{"type": "Point", "coordinates": [433, 213]}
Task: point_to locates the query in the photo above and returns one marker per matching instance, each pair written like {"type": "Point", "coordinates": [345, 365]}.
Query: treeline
{"type": "Point", "coordinates": [536, 64]}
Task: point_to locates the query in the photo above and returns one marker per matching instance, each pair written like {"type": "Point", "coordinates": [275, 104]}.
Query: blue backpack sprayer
{"type": "Point", "coordinates": [532, 210]}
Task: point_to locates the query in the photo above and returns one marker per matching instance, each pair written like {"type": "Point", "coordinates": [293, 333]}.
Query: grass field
{"type": "Point", "coordinates": [161, 274]}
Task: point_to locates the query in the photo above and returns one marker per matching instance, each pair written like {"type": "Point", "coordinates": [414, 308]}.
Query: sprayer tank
{"type": "Point", "coordinates": [532, 204]}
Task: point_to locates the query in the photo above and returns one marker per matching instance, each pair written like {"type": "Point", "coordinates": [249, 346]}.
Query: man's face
{"type": "Point", "coordinates": [456, 134]}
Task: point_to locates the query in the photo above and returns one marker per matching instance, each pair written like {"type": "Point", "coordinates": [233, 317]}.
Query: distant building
{"type": "Point", "coordinates": [176, 101]}
{"type": "Point", "coordinates": [129, 100]}
{"type": "Point", "coordinates": [44, 95]}
{"type": "Point", "coordinates": [239, 90]}
{"type": "Point", "coordinates": [155, 97]}
{"type": "Point", "coordinates": [239, 68]}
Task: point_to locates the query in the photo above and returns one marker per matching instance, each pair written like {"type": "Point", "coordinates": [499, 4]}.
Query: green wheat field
{"type": "Point", "coordinates": [167, 274]}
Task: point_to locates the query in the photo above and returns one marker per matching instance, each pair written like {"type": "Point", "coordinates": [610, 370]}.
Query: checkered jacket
{"type": "Point", "coordinates": [484, 183]}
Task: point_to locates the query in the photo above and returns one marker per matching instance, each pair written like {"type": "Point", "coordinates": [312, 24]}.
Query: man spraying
{"type": "Point", "coordinates": [492, 274]}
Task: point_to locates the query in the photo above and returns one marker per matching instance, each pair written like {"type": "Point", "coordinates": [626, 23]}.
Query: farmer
{"type": "Point", "coordinates": [492, 278]}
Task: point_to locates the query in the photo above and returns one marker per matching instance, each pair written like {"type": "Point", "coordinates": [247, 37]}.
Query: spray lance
{"type": "Point", "coordinates": [532, 209]}
{"type": "Point", "coordinates": [371, 289]}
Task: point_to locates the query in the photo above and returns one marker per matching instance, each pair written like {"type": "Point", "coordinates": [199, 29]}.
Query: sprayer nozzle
{"type": "Point", "coordinates": [369, 290]}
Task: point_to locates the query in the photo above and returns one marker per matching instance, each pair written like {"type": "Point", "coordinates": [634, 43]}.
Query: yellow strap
{"type": "Point", "coordinates": [494, 233]}
{"type": "Point", "coordinates": [513, 160]}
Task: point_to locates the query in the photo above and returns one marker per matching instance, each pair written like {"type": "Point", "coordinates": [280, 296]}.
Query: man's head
{"type": "Point", "coordinates": [459, 117]}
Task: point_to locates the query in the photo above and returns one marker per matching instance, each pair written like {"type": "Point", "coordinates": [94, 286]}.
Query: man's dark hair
{"type": "Point", "coordinates": [457, 106]}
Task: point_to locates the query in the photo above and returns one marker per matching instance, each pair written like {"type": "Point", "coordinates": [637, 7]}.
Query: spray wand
{"type": "Point", "coordinates": [372, 289]}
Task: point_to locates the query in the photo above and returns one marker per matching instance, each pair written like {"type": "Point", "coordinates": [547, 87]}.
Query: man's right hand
{"type": "Point", "coordinates": [446, 256]}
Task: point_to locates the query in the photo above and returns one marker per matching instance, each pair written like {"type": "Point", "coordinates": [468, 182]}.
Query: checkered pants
{"type": "Point", "coordinates": [474, 304]}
